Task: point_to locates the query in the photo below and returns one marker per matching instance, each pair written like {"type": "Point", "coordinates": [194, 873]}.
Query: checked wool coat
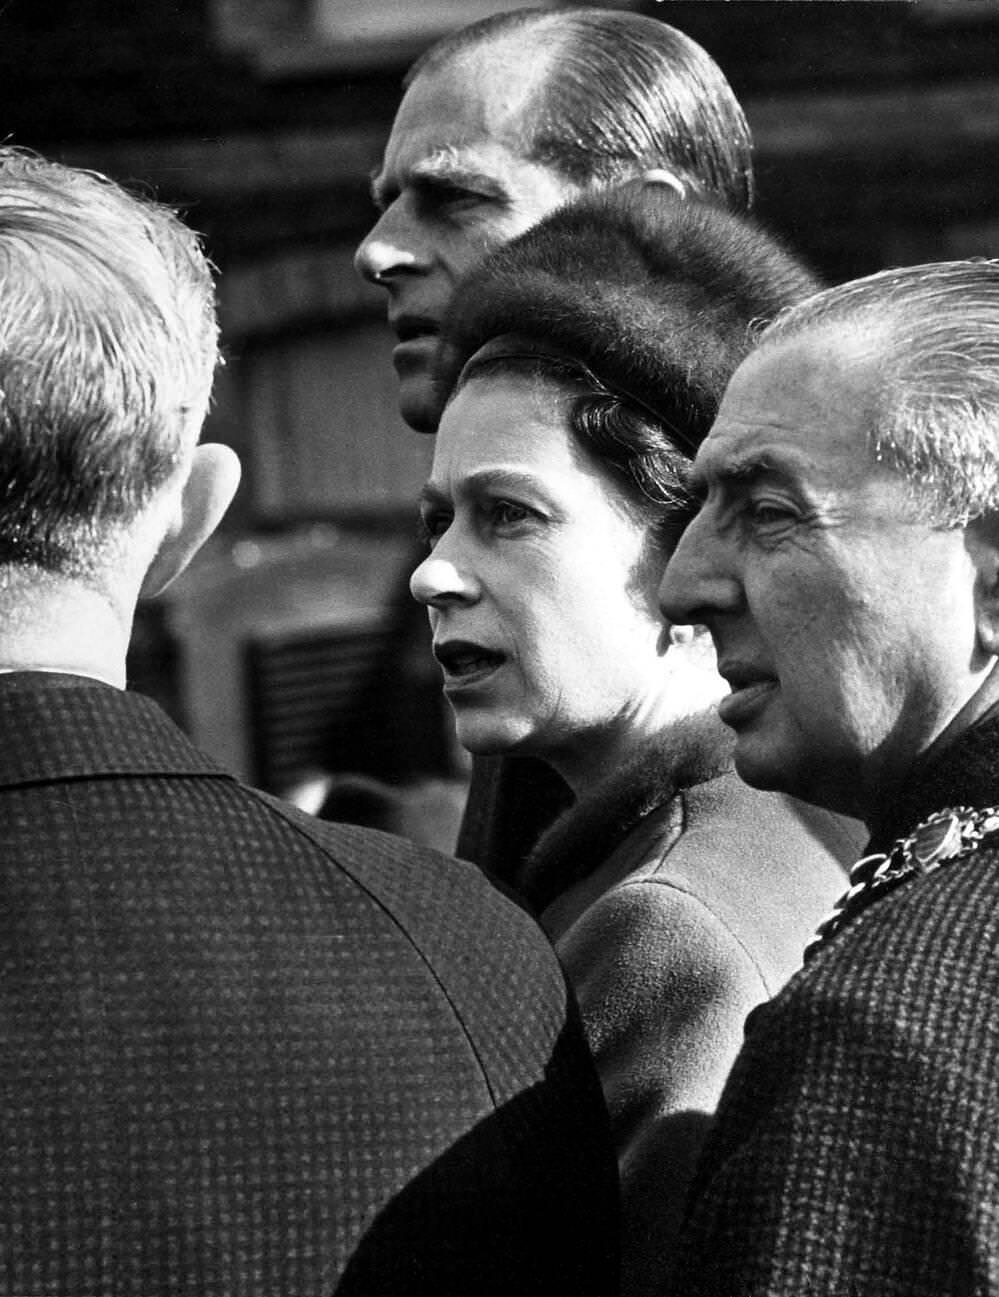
{"type": "Point", "coordinates": [245, 1053]}
{"type": "Point", "coordinates": [856, 1147]}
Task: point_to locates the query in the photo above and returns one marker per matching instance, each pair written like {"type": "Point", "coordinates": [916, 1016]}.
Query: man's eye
{"type": "Point", "coordinates": [448, 198]}
{"type": "Point", "coordinates": [770, 513]}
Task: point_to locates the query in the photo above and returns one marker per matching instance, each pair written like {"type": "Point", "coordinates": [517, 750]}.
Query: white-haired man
{"type": "Point", "coordinates": [846, 560]}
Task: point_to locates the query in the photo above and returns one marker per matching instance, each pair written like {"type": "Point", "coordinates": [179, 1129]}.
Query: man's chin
{"type": "Point", "coordinates": [757, 766]}
{"type": "Point", "coordinates": [419, 404]}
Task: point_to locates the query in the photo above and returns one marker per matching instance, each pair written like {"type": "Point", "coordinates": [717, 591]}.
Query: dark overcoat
{"type": "Point", "coordinates": [247, 1054]}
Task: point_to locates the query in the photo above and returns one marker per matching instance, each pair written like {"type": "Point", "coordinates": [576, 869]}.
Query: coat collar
{"type": "Point", "coordinates": [63, 727]}
{"type": "Point", "coordinates": [964, 773]}
{"type": "Point", "coordinates": [690, 752]}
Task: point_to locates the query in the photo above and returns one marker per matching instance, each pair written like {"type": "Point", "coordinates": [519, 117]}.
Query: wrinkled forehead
{"type": "Point", "coordinates": [810, 394]}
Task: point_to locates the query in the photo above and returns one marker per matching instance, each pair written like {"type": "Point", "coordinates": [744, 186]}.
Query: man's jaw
{"type": "Point", "coordinates": [413, 360]}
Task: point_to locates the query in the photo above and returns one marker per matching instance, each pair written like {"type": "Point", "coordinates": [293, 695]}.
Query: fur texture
{"type": "Point", "coordinates": [693, 750]}
{"type": "Point", "coordinates": [657, 295]}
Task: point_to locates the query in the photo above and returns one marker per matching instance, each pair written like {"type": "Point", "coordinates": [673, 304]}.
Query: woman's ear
{"type": "Point", "coordinates": [982, 541]}
{"type": "Point", "coordinates": [207, 493]}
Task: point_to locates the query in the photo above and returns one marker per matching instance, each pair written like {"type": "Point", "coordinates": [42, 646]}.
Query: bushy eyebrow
{"type": "Point", "coordinates": [731, 476]}
{"type": "Point", "coordinates": [445, 168]}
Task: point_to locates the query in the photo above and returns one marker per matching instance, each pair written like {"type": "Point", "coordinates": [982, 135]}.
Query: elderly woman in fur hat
{"type": "Point", "coordinates": [582, 366]}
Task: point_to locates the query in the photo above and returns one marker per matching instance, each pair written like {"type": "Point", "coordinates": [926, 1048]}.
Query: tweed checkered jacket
{"type": "Point", "coordinates": [856, 1148]}
{"type": "Point", "coordinates": [243, 1052]}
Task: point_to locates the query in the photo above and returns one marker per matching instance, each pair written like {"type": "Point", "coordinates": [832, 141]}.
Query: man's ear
{"type": "Point", "coordinates": [663, 176]}
{"type": "Point", "coordinates": [982, 541]}
{"type": "Point", "coordinates": [206, 495]}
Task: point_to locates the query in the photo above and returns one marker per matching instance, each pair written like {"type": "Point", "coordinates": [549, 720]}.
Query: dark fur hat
{"type": "Point", "coordinates": [654, 294]}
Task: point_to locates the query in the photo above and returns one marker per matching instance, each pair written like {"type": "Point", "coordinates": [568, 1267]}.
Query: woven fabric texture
{"type": "Point", "coordinates": [856, 1149]}
{"type": "Point", "coordinates": [243, 1052]}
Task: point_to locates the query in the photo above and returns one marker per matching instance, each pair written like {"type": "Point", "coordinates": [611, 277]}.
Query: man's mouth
{"type": "Point", "coordinates": [750, 692]}
{"type": "Point", "coordinates": [410, 328]}
{"type": "Point", "coordinates": [465, 662]}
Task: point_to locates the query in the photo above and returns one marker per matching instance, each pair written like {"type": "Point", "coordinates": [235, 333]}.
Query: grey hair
{"type": "Point", "coordinates": [620, 93]}
{"type": "Point", "coordinates": [934, 337]}
{"type": "Point", "coordinates": [108, 348]}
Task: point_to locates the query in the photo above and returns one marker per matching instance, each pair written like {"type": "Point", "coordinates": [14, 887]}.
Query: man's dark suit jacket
{"type": "Point", "coordinates": [243, 1052]}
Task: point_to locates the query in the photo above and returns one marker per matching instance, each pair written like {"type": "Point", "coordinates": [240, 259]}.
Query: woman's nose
{"type": "Point", "coordinates": [438, 582]}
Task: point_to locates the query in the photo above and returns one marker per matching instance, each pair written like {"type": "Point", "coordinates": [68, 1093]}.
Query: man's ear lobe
{"type": "Point", "coordinates": [206, 495]}
{"type": "Point", "coordinates": [663, 176]}
{"type": "Point", "coordinates": [982, 539]}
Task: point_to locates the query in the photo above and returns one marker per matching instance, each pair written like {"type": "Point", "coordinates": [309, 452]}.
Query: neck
{"type": "Point", "coordinates": [53, 624]}
{"type": "Point", "coordinates": [685, 683]}
{"type": "Point", "coordinates": [983, 701]}
{"type": "Point", "coordinates": [587, 763]}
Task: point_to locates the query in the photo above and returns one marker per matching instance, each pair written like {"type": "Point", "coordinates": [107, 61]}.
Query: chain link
{"type": "Point", "coordinates": [943, 838]}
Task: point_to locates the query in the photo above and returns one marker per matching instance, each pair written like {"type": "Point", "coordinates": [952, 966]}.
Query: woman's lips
{"type": "Point", "coordinates": [466, 664]}
{"type": "Point", "coordinates": [746, 701]}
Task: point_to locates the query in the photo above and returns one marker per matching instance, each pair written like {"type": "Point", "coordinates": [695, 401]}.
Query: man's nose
{"type": "Point", "coordinates": [390, 248]}
{"type": "Point", "coordinates": [698, 581]}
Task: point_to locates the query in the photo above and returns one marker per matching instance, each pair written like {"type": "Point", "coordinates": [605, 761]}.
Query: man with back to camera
{"type": "Point", "coordinates": [846, 560]}
{"type": "Point", "coordinates": [500, 123]}
{"type": "Point", "coordinates": [242, 1051]}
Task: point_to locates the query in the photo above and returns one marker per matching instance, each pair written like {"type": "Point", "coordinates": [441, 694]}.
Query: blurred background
{"type": "Point", "coordinates": [291, 650]}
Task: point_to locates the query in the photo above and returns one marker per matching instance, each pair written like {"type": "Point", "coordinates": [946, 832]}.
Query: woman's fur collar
{"type": "Point", "coordinates": [690, 752]}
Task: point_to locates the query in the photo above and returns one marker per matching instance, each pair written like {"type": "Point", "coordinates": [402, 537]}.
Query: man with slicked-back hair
{"type": "Point", "coordinates": [500, 123]}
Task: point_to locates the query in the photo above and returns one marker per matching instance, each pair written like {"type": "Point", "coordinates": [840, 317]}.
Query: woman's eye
{"type": "Point", "coordinates": [432, 526]}
{"type": "Point", "coordinates": [507, 513]}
